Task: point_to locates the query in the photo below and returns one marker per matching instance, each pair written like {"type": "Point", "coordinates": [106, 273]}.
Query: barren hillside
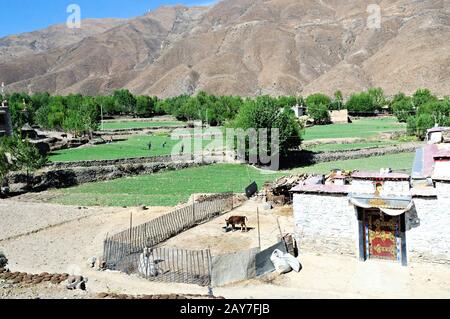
{"type": "Point", "coordinates": [248, 47]}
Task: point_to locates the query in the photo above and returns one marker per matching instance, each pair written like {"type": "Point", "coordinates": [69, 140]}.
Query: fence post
{"type": "Point", "coordinates": [193, 211]}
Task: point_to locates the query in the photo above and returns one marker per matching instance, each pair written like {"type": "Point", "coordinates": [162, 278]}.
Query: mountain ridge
{"type": "Point", "coordinates": [251, 47]}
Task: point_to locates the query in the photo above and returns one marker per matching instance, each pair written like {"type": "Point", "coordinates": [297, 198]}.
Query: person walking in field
{"type": "Point", "coordinates": [149, 146]}
{"type": "Point", "coordinates": [164, 145]}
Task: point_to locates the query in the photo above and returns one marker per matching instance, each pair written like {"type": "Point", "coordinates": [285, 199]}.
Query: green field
{"type": "Point", "coordinates": [173, 187]}
{"type": "Point", "coordinates": [139, 124]}
{"type": "Point", "coordinates": [398, 162]}
{"type": "Point", "coordinates": [135, 146]}
{"type": "Point", "coordinates": [350, 146]}
{"type": "Point", "coordinates": [364, 128]}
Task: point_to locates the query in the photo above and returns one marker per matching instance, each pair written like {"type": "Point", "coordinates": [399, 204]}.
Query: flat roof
{"type": "Point", "coordinates": [438, 129]}
{"type": "Point", "coordinates": [378, 175]}
{"type": "Point", "coordinates": [321, 189]}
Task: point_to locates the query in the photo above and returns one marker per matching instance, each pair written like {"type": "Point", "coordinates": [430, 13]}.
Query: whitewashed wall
{"type": "Point", "coordinates": [400, 188]}
{"type": "Point", "coordinates": [430, 241]}
{"type": "Point", "coordinates": [325, 223]}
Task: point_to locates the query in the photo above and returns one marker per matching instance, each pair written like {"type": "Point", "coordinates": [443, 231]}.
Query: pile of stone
{"type": "Point", "coordinates": [278, 191]}
{"type": "Point", "coordinates": [31, 279]}
{"type": "Point", "coordinates": [105, 295]}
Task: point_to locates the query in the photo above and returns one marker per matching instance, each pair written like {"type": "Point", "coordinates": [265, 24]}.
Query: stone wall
{"type": "Point", "coordinates": [124, 161]}
{"type": "Point", "coordinates": [430, 240]}
{"type": "Point", "coordinates": [67, 177]}
{"type": "Point", "coordinates": [325, 224]}
{"type": "Point", "coordinates": [303, 157]}
{"type": "Point", "coordinates": [328, 224]}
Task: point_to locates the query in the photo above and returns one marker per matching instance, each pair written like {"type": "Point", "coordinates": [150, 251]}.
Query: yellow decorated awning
{"type": "Point", "coordinates": [392, 206]}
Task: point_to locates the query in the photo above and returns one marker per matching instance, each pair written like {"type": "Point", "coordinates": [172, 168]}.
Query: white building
{"type": "Point", "coordinates": [380, 215]}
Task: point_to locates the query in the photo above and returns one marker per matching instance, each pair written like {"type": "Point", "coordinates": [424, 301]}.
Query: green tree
{"type": "Point", "coordinates": [402, 107]}
{"type": "Point", "coordinates": [125, 101]}
{"type": "Point", "coordinates": [145, 106]}
{"type": "Point", "coordinates": [379, 100]}
{"type": "Point", "coordinates": [264, 113]}
{"type": "Point", "coordinates": [318, 106]}
{"type": "Point", "coordinates": [362, 103]}
{"type": "Point", "coordinates": [338, 102]}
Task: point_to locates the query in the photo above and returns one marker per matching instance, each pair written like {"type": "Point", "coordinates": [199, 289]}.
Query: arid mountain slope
{"type": "Point", "coordinates": [248, 47]}
{"type": "Point", "coordinates": [23, 44]}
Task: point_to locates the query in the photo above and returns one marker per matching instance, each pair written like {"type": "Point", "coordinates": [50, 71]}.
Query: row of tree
{"type": "Point", "coordinates": [81, 114]}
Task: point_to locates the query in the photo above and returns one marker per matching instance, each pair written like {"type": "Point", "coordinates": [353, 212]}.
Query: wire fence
{"type": "Point", "coordinates": [129, 250]}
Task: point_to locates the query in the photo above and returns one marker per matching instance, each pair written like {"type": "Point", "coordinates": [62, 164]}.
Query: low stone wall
{"type": "Point", "coordinates": [124, 161]}
{"type": "Point", "coordinates": [67, 177]}
{"type": "Point", "coordinates": [303, 157]}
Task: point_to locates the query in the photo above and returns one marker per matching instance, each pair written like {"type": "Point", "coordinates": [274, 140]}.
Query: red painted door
{"type": "Point", "coordinates": [382, 230]}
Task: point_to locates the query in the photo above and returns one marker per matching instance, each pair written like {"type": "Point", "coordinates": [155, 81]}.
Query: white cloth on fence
{"type": "Point", "coordinates": [147, 266]}
{"type": "Point", "coordinates": [283, 262]}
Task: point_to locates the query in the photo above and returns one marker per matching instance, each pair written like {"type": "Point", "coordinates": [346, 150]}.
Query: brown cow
{"type": "Point", "coordinates": [237, 220]}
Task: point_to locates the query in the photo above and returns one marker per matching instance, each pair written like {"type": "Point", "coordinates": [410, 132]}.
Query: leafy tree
{"type": "Point", "coordinates": [125, 101]}
{"type": "Point", "coordinates": [418, 125]}
{"type": "Point", "coordinates": [22, 154]}
{"type": "Point", "coordinates": [265, 113]}
{"type": "Point", "coordinates": [361, 103]}
{"type": "Point", "coordinates": [107, 104]}
{"type": "Point", "coordinates": [421, 97]}
{"type": "Point", "coordinates": [145, 106]}
{"type": "Point", "coordinates": [318, 106]}
{"type": "Point", "coordinates": [377, 94]}
{"type": "Point", "coordinates": [338, 102]}
{"type": "Point", "coordinates": [402, 107]}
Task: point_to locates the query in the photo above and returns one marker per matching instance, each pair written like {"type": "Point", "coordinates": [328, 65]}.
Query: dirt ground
{"type": "Point", "coordinates": [212, 236]}
{"type": "Point", "coordinates": [65, 243]}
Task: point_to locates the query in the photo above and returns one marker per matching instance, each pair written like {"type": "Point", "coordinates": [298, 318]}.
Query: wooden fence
{"type": "Point", "coordinates": [122, 251]}
{"type": "Point", "coordinates": [164, 264]}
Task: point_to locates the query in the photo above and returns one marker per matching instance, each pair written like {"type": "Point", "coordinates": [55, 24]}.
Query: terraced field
{"type": "Point", "coordinates": [172, 187]}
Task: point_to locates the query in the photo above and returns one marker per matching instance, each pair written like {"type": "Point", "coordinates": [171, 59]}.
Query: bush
{"type": "Point", "coordinates": [3, 260]}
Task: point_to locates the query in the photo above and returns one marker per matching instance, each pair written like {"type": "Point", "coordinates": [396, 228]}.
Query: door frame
{"type": "Point", "coordinates": [363, 236]}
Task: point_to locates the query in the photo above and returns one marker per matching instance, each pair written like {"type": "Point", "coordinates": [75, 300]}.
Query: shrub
{"type": "Point", "coordinates": [3, 260]}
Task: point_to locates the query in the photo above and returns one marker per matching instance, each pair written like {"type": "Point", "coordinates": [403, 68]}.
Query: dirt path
{"type": "Point", "coordinates": [65, 247]}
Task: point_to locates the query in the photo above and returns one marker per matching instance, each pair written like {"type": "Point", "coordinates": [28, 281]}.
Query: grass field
{"type": "Point", "coordinates": [364, 128]}
{"type": "Point", "coordinates": [135, 146]}
{"type": "Point", "coordinates": [350, 146]}
{"type": "Point", "coordinates": [173, 187]}
{"type": "Point", "coordinates": [398, 162]}
{"type": "Point", "coordinates": [139, 124]}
